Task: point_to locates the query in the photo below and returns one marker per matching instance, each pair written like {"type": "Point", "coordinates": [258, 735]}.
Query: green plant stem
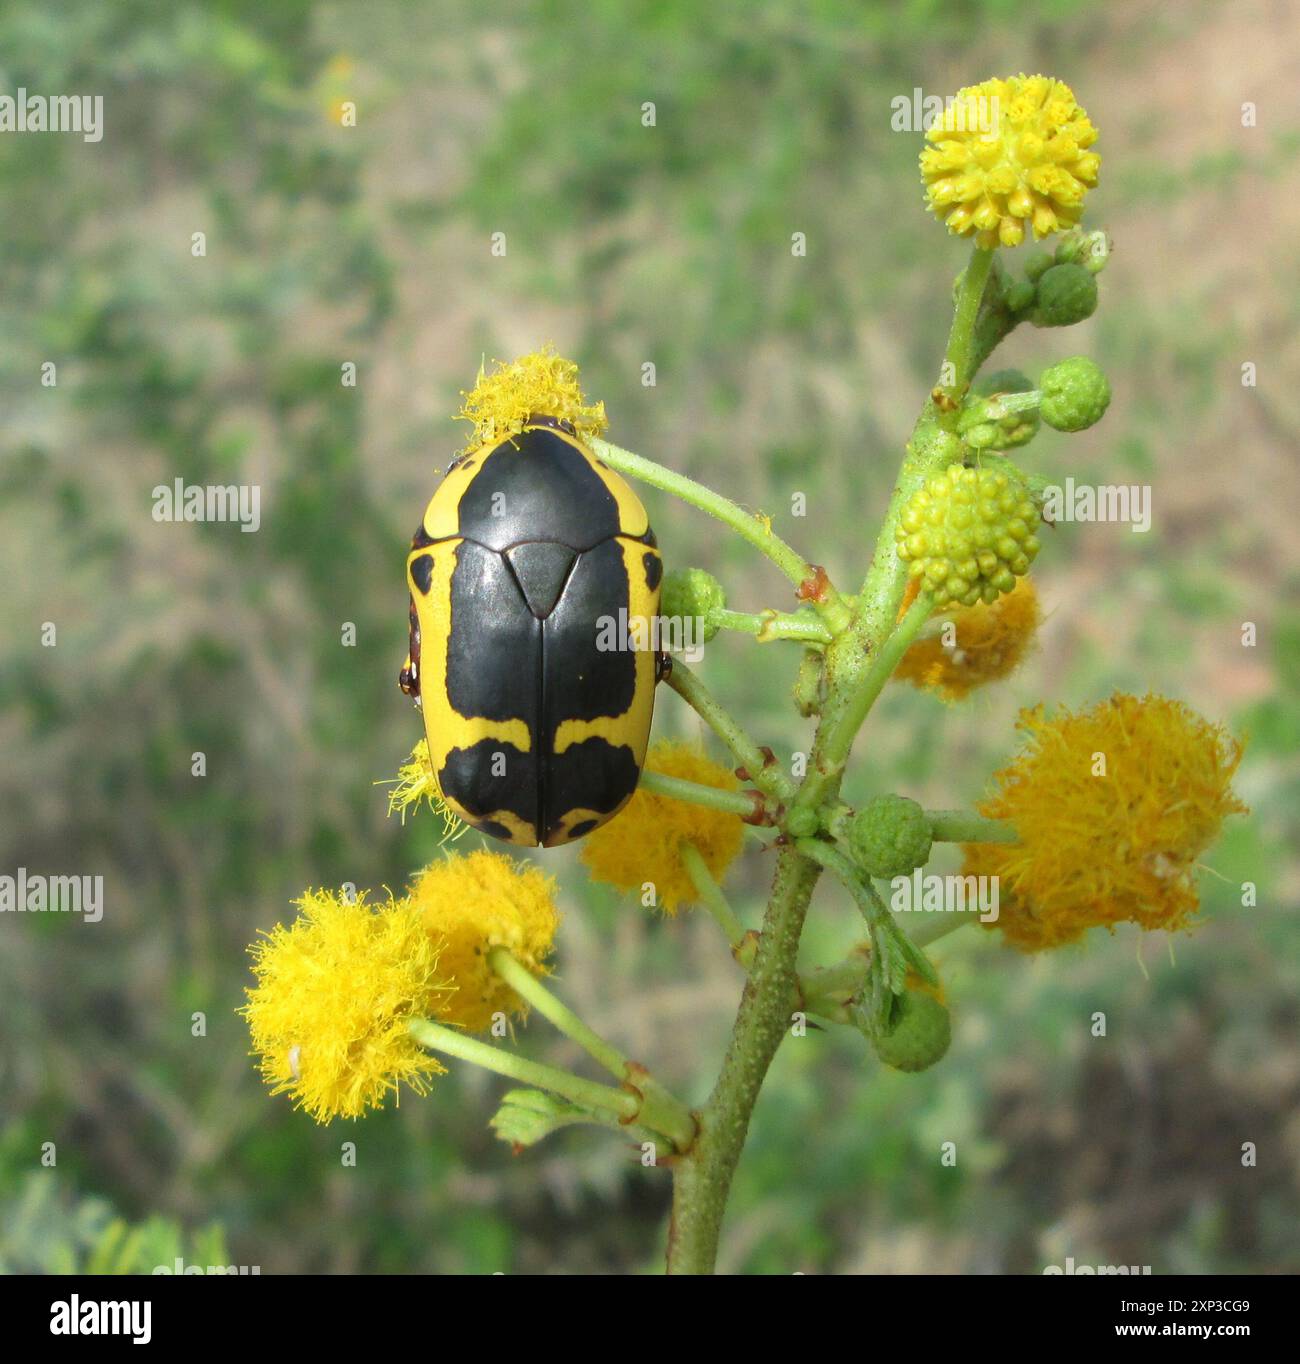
{"type": "Point", "coordinates": [840, 733]}
{"type": "Point", "coordinates": [437, 1037]}
{"type": "Point", "coordinates": [748, 526]}
{"type": "Point", "coordinates": [960, 354]}
{"type": "Point", "coordinates": [659, 1109]}
{"type": "Point", "coordinates": [766, 776]}
{"type": "Point", "coordinates": [695, 793]}
{"type": "Point", "coordinates": [962, 826]}
{"type": "Point", "coordinates": [702, 1179]}
{"type": "Point", "coordinates": [711, 895]}
{"type": "Point", "coordinates": [772, 625]}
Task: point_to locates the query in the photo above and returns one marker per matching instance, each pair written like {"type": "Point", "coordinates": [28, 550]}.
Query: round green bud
{"type": "Point", "coordinates": [1019, 295]}
{"type": "Point", "coordinates": [802, 822]}
{"type": "Point", "coordinates": [1075, 394]}
{"type": "Point", "coordinates": [1064, 295]}
{"type": "Point", "coordinates": [968, 534]}
{"type": "Point", "coordinates": [920, 1034]}
{"type": "Point", "coordinates": [1038, 264]}
{"type": "Point", "coordinates": [691, 592]}
{"type": "Point", "coordinates": [890, 836]}
{"type": "Point", "coordinates": [1011, 429]}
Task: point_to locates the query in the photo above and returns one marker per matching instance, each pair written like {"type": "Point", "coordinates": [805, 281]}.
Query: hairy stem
{"type": "Point", "coordinates": [702, 1178]}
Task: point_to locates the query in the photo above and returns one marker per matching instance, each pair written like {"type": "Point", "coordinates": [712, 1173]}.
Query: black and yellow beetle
{"type": "Point", "coordinates": [532, 556]}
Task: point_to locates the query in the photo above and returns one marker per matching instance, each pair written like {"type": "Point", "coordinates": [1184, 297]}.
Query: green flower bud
{"type": "Point", "coordinates": [802, 822]}
{"type": "Point", "coordinates": [1065, 294]}
{"type": "Point", "coordinates": [691, 592]}
{"type": "Point", "coordinates": [890, 836]}
{"type": "Point", "coordinates": [968, 534]}
{"type": "Point", "coordinates": [1005, 430]}
{"type": "Point", "coordinates": [1019, 295]}
{"type": "Point", "coordinates": [920, 1034]}
{"type": "Point", "coordinates": [1075, 394]}
{"type": "Point", "coordinates": [1089, 249]}
{"type": "Point", "coordinates": [1038, 264]}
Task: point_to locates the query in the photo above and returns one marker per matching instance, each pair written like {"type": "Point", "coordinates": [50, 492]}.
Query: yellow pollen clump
{"type": "Point", "coordinates": [541, 384]}
{"type": "Point", "coordinates": [642, 844]}
{"type": "Point", "coordinates": [470, 904]}
{"type": "Point", "coordinates": [1113, 806]}
{"type": "Point", "coordinates": [988, 642]}
{"type": "Point", "coordinates": [335, 991]}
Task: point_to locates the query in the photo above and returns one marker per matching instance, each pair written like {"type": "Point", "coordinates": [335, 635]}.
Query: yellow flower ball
{"type": "Point", "coordinates": [989, 642]}
{"type": "Point", "coordinates": [643, 842]}
{"type": "Point", "coordinates": [998, 168]}
{"type": "Point", "coordinates": [539, 384]}
{"type": "Point", "coordinates": [415, 785]}
{"type": "Point", "coordinates": [334, 993]}
{"type": "Point", "coordinates": [471, 904]}
{"type": "Point", "coordinates": [1113, 805]}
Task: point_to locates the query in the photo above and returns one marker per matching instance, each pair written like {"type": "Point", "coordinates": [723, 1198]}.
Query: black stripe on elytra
{"type": "Point", "coordinates": [536, 486]}
{"type": "Point", "coordinates": [494, 650]}
{"type": "Point", "coordinates": [480, 783]}
{"type": "Point", "coordinates": [421, 538]}
{"type": "Point", "coordinates": [591, 775]}
{"type": "Point", "coordinates": [583, 681]}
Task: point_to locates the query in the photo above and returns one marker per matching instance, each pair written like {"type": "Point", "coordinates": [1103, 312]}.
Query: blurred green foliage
{"type": "Point", "coordinates": [775, 374]}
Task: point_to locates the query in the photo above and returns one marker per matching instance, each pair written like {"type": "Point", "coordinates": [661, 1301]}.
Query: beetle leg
{"type": "Point", "coordinates": [663, 665]}
{"type": "Point", "coordinates": [409, 678]}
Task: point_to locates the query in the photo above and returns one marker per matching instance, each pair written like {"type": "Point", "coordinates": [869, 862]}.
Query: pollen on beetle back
{"type": "Point", "coordinates": [968, 534]}
{"type": "Point", "coordinates": [540, 384]}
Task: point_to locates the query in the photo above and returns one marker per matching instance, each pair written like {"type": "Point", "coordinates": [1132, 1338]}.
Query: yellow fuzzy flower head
{"type": "Point", "coordinates": [643, 842]}
{"type": "Point", "coordinates": [334, 993]}
{"type": "Point", "coordinates": [471, 904]}
{"type": "Point", "coordinates": [1009, 155]}
{"type": "Point", "coordinates": [541, 384]}
{"type": "Point", "coordinates": [984, 644]}
{"type": "Point", "coordinates": [415, 785]}
{"type": "Point", "coordinates": [1113, 806]}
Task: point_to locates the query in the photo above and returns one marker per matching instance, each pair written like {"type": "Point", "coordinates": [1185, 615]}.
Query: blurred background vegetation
{"type": "Point", "coordinates": [775, 375]}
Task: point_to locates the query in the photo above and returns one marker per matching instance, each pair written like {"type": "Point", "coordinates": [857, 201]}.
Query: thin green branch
{"type": "Point", "coordinates": [843, 728]}
{"type": "Point", "coordinates": [749, 527]}
{"type": "Point", "coordinates": [695, 793]}
{"type": "Point", "coordinates": [962, 826]}
{"type": "Point", "coordinates": [588, 1093]}
{"type": "Point", "coordinates": [711, 895]}
{"type": "Point", "coordinates": [766, 775]}
{"type": "Point", "coordinates": [770, 625]}
{"type": "Point", "coordinates": [659, 1109]}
